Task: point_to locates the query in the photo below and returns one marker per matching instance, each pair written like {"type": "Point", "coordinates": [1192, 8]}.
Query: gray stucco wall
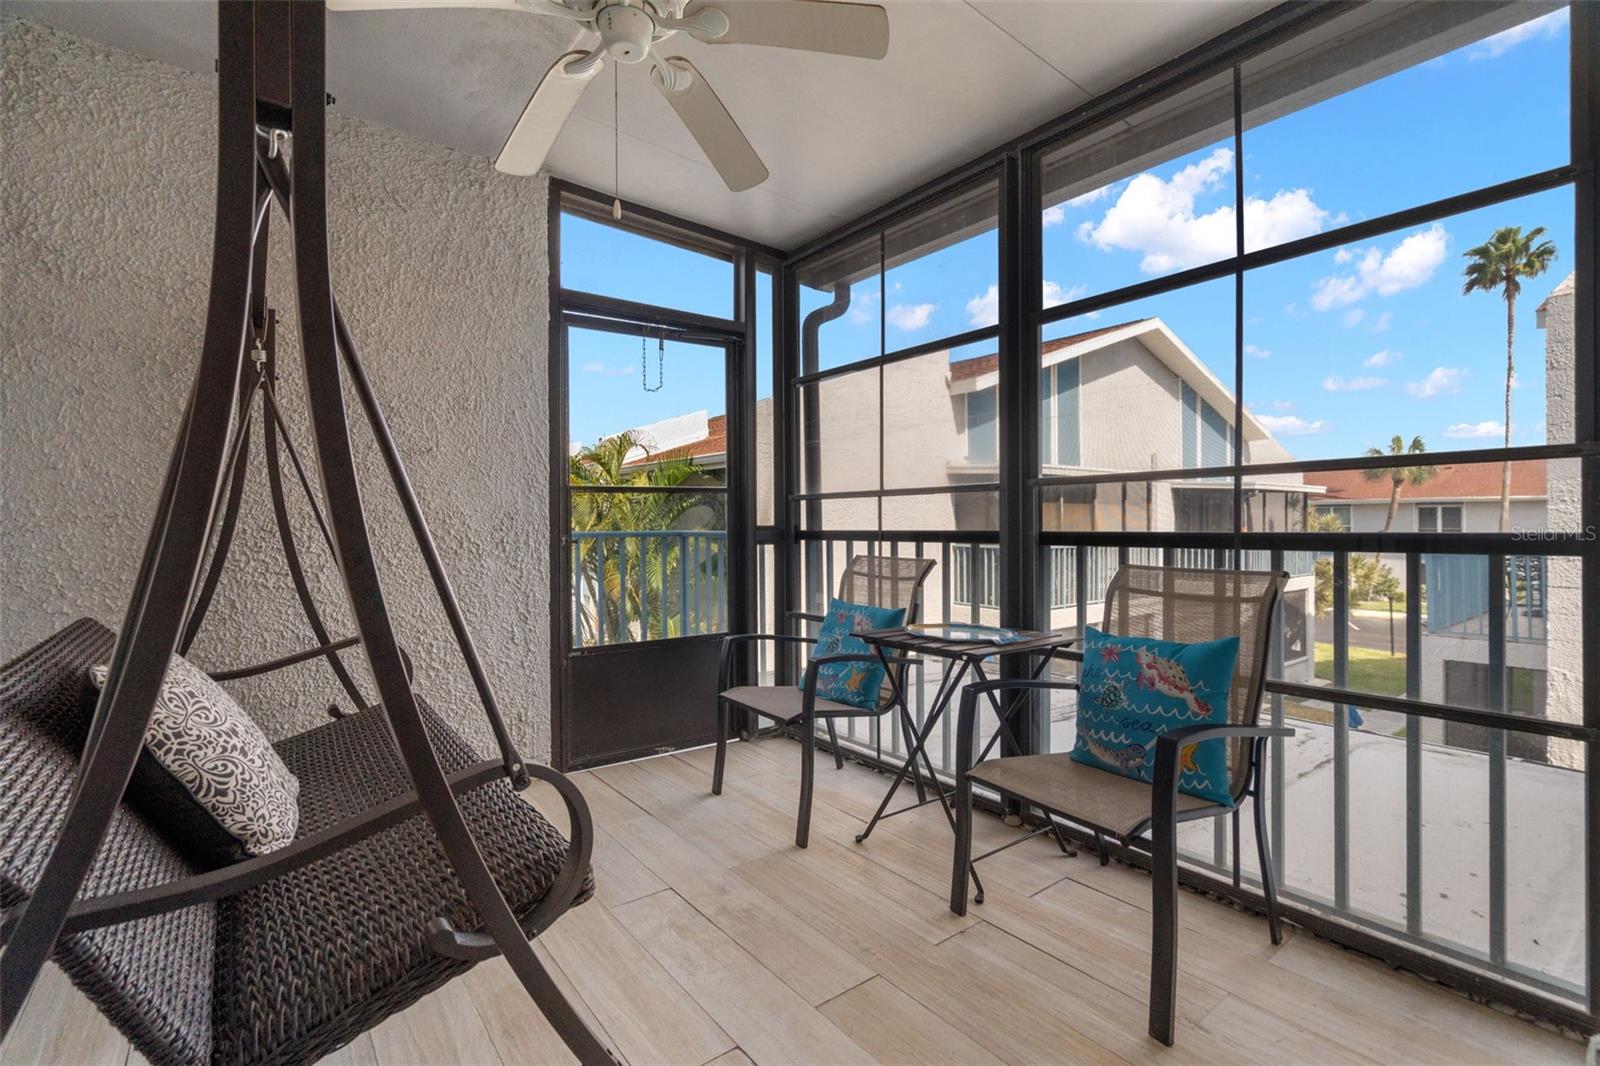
{"type": "Point", "coordinates": [1564, 605]}
{"type": "Point", "coordinates": [440, 263]}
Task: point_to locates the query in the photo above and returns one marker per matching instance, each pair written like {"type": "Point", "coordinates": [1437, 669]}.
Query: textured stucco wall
{"type": "Point", "coordinates": [440, 264]}
{"type": "Point", "coordinates": [1564, 603]}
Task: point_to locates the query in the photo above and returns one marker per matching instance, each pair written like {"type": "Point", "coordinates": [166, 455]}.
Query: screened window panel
{"type": "Point", "coordinates": [1190, 427]}
{"type": "Point", "coordinates": [983, 438]}
{"type": "Point", "coordinates": [1214, 434]}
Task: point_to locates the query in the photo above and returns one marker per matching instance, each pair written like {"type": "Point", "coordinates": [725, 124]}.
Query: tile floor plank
{"type": "Point", "coordinates": [802, 956]}
{"type": "Point", "coordinates": [767, 1019]}
{"type": "Point", "coordinates": [650, 1016]}
{"type": "Point", "coordinates": [896, 1028]}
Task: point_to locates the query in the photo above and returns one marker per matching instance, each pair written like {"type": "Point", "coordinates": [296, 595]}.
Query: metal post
{"type": "Point", "coordinates": [1498, 606]}
{"type": "Point", "coordinates": [1413, 745]}
{"type": "Point", "coordinates": [176, 543]}
{"type": "Point", "coordinates": [342, 495]}
{"type": "Point", "coordinates": [1341, 732]}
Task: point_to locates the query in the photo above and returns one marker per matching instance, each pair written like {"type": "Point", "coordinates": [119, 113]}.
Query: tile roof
{"type": "Point", "coordinates": [715, 442]}
{"type": "Point", "coordinates": [983, 364]}
{"type": "Point", "coordinates": [1463, 481]}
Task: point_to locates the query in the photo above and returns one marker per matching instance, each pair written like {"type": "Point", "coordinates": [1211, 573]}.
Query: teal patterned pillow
{"type": "Point", "coordinates": [1134, 689]}
{"type": "Point", "coordinates": [854, 683]}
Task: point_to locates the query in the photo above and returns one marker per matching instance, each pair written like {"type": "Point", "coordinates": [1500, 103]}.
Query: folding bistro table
{"type": "Point", "coordinates": [966, 646]}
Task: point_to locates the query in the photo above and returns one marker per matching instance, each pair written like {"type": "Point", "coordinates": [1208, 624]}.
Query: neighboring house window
{"type": "Point", "coordinates": [1341, 511]}
{"type": "Point", "coordinates": [983, 440]}
{"type": "Point", "coordinates": [1058, 424]}
{"type": "Point", "coordinates": [1213, 437]}
{"type": "Point", "coordinates": [984, 581]}
{"type": "Point", "coordinates": [1202, 510]}
{"type": "Point", "coordinates": [1063, 575]}
{"type": "Point", "coordinates": [1439, 518]}
{"type": "Point", "coordinates": [1191, 425]}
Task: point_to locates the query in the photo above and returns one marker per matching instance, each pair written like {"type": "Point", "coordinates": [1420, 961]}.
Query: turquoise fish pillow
{"type": "Point", "coordinates": [1133, 689]}
{"type": "Point", "coordinates": [854, 683]}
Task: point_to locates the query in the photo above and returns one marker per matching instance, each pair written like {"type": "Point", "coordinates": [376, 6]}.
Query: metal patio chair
{"type": "Point", "coordinates": [873, 580]}
{"type": "Point", "coordinates": [1165, 604]}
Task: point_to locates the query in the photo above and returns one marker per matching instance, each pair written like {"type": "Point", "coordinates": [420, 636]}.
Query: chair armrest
{"type": "Point", "coordinates": [729, 642]}
{"type": "Point", "coordinates": [967, 719]}
{"type": "Point", "coordinates": [1164, 790]}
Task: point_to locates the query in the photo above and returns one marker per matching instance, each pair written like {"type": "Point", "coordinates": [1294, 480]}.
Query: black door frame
{"type": "Point", "coordinates": [588, 311]}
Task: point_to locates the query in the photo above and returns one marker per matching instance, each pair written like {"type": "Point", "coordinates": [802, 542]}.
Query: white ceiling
{"type": "Point", "coordinates": [839, 135]}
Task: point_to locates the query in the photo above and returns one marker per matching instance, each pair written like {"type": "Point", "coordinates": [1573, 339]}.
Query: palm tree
{"type": "Point", "coordinates": [1499, 266]}
{"type": "Point", "coordinates": [615, 582]}
{"type": "Point", "coordinates": [1399, 476]}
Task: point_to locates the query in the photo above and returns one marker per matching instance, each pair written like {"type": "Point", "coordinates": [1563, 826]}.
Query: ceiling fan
{"type": "Point", "coordinates": [631, 30]}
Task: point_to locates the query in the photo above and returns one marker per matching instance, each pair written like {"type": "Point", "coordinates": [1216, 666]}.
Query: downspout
{"type": "Point", "coordinates": [809, 435]}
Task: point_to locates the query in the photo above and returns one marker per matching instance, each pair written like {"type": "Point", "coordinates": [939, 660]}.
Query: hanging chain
{"type": "Point", "coordinates": [661, 363]}
{"type": "Point", "coordinates": [616, 141]}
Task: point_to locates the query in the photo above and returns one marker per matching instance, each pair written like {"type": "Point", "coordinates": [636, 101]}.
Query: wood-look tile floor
{"type": "Point", "coordinates": [714, 940]}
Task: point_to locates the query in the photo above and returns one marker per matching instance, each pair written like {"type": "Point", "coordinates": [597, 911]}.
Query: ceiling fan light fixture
{"type": "Point", "coordinates": [626, 32]}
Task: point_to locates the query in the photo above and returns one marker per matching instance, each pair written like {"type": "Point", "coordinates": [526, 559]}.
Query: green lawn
{"type": "Point", "coordinates": [1370, 670]}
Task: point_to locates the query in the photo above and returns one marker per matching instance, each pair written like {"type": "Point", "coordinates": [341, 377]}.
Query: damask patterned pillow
{"type": "Point", "coordinates": [1133, 689]}
{"type": "Point", "coordinates": [208, 777]}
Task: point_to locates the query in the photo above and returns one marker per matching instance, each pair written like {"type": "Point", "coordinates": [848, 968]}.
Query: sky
{"type": "Point", "coordinates": [1344, 349]}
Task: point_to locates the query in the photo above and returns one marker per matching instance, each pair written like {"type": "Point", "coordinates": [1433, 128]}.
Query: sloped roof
{"type": "Point", "coordinates": [715, 442]}
{"type": "Point", "coordinates": [984, 364]}
{"type": "Point", "coordinates": [1454, 481]}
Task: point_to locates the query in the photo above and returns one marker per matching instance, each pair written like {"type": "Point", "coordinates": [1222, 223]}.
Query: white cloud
{"type": "Point", "coordinates": [1092, 196]}
{"type": "Point", "coordinates": [1383, 358]}
{"type": "Point", "coordinates": [1257, 352]}
{"type": "Point", "coordinates": [1352, 317]}
{"type": "Point", "coordinates": [1055, 295]}
{"type": "Point", "coordinates": [863, 309]}
{"type": "Point", "coordinates": [1382, 323]}
{"type": "Point", "coordinates": [1291, 425]}
{"type": "Point", "coordinates": [908, 317]}
{"type": "Point", "coordinates": [1440, 380]}
{"type": "Point", "coordinates": [1471, 430]}
{"type": "Point", "coordinates": [984, 310]}
{"type": "Point", "coordinates": [1334, 383]}
{"type": "Point", "coordinates": [610, 372]}
{"type": "Point", "coordinates": [1551, 25]}
{"type": "Point", "coordinates": [1282, 405]}
{"type": "Point", "coordinates": [1053, 216]}
{"type": "Point", "coordinates": [1157, 218]}
{"type": "Point", "coordinates": [1407, 265]}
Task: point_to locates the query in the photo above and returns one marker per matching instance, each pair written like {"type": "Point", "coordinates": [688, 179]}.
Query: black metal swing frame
{"type": "Point", "coordinates": [271, 83]}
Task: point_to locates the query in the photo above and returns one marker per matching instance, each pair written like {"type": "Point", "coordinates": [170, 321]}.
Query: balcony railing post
{"type": "Point", "coordinates": [1275, 787]}
{"type": "Point", "coordinates": [1341, 732]}
{"type": "Point", "coordinates": [1497, 759]}
{"type": "Point", "coordinates": [1413, 745]}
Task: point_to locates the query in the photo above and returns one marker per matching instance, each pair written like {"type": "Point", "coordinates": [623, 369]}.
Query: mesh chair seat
{"type": "Point", "coordinates": [291, 969]}
{"type": "Point", "coordinates": [1095, 797]}
{"type": "Point", "coordinates": [783, 702]}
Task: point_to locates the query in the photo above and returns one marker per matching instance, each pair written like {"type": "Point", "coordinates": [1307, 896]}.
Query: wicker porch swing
{"type": "Point", "coordinates": [284, 956]}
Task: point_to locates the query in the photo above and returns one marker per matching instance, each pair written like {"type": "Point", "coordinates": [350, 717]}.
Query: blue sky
{"type": "Point", "coordinates": [1344, 348]}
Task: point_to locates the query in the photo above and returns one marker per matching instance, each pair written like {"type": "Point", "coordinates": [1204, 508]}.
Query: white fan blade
{"type": "Point", "coordinates": [810, 25]}
{"type": "Point", "coordinates": [713, 128]}
{"type": "Point", "coordinates": [542, 119]}
{"type": "Point", "coordinates": [391, 5]}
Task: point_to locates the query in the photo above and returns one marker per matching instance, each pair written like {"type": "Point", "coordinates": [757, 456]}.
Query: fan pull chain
{"type": "Point", "coordinates": [616, 142]}
{"type": "Point", "coordinates": [661, 364]}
